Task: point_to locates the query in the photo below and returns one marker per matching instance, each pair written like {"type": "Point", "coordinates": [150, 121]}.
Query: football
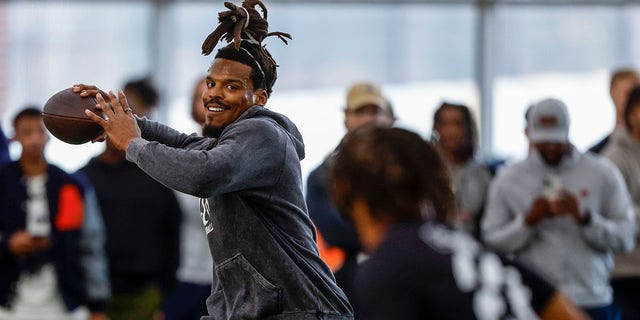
{"type": "Point", "coordinates": [63, 115]}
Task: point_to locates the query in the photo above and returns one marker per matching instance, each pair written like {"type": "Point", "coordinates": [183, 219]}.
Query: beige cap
{"type": "Point", "coordinates": [365, 93]}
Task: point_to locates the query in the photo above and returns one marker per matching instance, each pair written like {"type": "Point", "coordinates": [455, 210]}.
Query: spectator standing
{"type": "Point", "coordinates": [562, 213]}
{"type": "Point", "coordinates": [41, 215]}
{"type": "Point", "coordinates": [339, 244]}
{"type": "Point", "coordinates": [455, 136]}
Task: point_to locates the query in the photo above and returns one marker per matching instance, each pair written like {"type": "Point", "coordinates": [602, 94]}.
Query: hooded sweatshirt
{"type": "Point", "coordinates": [253, 210]}
{"type": "Point", "coordinates": [575, 258]}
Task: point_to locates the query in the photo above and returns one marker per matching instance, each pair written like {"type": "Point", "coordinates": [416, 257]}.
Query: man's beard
{"type": "Point", "coordinates": [210, 131]}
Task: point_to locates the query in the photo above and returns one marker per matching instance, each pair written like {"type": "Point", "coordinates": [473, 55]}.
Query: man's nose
{"type": "Point", "coordinates": [211, 92]}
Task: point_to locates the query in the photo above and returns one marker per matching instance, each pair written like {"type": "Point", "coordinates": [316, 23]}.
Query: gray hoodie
{"type": "Point", "coordinates": [260, 235]}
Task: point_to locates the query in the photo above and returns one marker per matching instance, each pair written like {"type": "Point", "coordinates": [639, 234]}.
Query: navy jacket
{"type": "Point", "coordinates": [66, 214]}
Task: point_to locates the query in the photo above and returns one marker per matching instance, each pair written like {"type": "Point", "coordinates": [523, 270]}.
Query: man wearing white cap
{"type": "Point", "coordinates": [562, 212]}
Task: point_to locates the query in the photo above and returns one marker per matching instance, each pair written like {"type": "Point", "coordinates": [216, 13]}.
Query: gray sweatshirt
{"type": "Point", "coordinates": [252, 205]}
{"type": "Point", "coordinates": [576, 259]}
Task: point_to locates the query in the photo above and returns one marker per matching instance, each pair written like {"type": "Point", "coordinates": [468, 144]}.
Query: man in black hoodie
{"type": "Point", "coordinates": [247, 174]}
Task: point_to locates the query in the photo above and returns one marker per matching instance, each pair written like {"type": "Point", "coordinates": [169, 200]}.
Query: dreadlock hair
{"type": "Point", "coordinates": [244, 28]}
{"type": "Point", "coordinates": [468, 148]}
{"type": "Point", "coordinates": [399, 175]}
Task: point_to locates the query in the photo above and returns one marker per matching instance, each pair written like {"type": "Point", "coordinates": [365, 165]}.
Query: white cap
{"type": "Point", "coordinates": [549, 122]}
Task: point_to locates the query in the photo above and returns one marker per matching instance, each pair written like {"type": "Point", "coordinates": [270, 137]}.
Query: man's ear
{"type": "Point", "coordinates": [260, 97]}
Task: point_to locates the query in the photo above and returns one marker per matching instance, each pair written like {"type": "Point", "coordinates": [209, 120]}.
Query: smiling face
{"type": "Point", "coordinates": [229, 93]}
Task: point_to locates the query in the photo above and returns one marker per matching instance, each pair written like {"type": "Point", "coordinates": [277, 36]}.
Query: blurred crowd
{"type": "Point", "coordinates": [110, 242]}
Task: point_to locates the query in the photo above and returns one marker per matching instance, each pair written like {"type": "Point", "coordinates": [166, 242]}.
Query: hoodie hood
{"type": "Point", "coordinates": [282, 121]}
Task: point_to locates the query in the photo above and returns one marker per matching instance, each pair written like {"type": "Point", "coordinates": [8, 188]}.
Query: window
{"type": "Point", "coordinates": [565, 52]}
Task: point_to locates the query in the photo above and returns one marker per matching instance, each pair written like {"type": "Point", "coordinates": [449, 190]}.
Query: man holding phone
{"type": "Point", "coordinates": [562, 213]}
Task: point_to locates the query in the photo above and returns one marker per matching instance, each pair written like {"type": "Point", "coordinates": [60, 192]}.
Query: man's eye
{"type": "Point", "coordinates": [231, 87]}
{"type": "Point", "coordinates": [210, 84]}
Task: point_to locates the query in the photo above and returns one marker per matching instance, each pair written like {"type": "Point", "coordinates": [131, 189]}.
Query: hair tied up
{"type": "Point", "coordinates": [242, 23]}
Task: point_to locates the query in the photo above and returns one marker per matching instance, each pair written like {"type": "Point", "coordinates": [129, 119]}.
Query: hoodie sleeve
{"type": "Point", "coordinates": [503, 228]}
{"type": "Point", "coordinates": [155, 131]}
{"type": "Point", "coordinates": [614, 226]}
{"type": "Point", "coordinates": [249, 154]}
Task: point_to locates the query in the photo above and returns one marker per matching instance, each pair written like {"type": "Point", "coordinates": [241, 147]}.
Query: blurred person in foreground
{"type": "Point", "coordinates": [142, 222]}
{"type": "Point", "coordinates": [41, 216]}
{"type": "Point", "coordinates": [338, 242]}
{"type": "Point", "coordinates": [455, 135]}
{"type": "Point", "coordinates": [622, 81]}
{"type": "Point", "coordinates": [624, 151]}
{"type": "Point", "coordinates": [394, 187]}
{"type": "Point", "coordinates": [562, 213]}
{"type": "Point", "coordinates": [248, 179]}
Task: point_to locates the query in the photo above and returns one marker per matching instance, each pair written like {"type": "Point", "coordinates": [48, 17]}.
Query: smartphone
{"type": "Point", "coordinates": [551, 187]}
{"type": "Point", "coordinates": [38, 224]}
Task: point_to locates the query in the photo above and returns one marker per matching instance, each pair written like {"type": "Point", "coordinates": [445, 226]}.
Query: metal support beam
{"type": "Point", "coordinates": [160, 68]}
{"type": "Point", "coordinates": [485, 73]}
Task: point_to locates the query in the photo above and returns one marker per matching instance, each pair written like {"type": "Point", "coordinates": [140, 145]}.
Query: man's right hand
{"type": "Point", "coordinates": [23, 243]}
{"type": "Point", "coordinates": [87, 90]}
{"type": "Point", "coordinates": [539, 211]}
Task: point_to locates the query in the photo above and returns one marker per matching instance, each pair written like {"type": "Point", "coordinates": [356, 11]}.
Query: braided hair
{"type": "Point", "coordinates": [244, 29]}
{"type": "Point", "coordinates": [399, 175]}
